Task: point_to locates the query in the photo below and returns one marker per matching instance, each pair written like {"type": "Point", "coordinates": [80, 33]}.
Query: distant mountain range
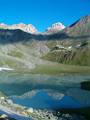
{"type": "Point", "coordinates": [31, 29]}
{"type": "Point", "coordinates": [22, 46]}
{"type": "Point", "coordinates": [25, 27]}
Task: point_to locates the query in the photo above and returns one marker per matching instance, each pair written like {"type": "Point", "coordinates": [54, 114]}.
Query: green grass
{"type": "Point", "coordinates": [1, 28]}
{"type": "Point", "coordinates": [60, 68]}
{"type": "Point", "coordinates": [14, 64]}
{"type": "Point", "coordinates": [16, 53]}
{"type": "Point", "coordinates": [79, 56]}
{"type": "Point", "coordinates": [2, 94]}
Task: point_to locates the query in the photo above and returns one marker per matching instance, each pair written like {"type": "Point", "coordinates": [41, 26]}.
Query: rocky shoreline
{"type": "Point", "coordinates": [48, 115]}
{"type": "Point", "coordinates": [53, 115]}
{"type": "Point", "coordinates": [11, 111]}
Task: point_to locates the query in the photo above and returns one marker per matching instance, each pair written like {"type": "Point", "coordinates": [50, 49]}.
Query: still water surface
{"type": "Point", "coordinates": [45, 91]}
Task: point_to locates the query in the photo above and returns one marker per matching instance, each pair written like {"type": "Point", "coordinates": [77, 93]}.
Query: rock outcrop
{"type": "Point", "coordinates": [55, 28]}
{"type": "Point", "coordinates": [25, 27]}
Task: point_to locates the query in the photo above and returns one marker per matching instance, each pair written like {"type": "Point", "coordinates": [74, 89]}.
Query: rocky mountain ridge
{"type": "Point", "coordinates": [29, 28]}
{"type": "Point", "coordinates": [56, 27]}
{"type": "Point", "coordinates": [70, 46]}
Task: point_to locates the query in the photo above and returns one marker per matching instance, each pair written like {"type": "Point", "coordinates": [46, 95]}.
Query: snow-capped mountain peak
{"type": "Point", "coordinates": [25, 27]}
{"type": "Point", "coordinates": [55, 27]}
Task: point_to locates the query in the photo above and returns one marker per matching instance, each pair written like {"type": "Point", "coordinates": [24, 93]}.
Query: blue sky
{"type": "Point", "coordinates": [42, 13]}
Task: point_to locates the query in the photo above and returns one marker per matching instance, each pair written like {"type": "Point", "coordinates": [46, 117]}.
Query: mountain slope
{"type": "Point", "coordinates": [56, 27]}
{"type": "Point", "coordinates": [72, 45]}
{"type": "Point", "coordinates": [19, 49]}
{"type": "Point", "coordinates": [25, 27]}
{"type": "Point", "coordinates": [22, 50]}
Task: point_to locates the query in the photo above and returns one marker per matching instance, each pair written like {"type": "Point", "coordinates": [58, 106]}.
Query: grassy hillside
{"type": "Point", "coordinates": [73, 44]}
{"type": "Point", "coordinates": [79, 56]}
{"type": "Point", "coordinates": [21, 50]}
{"type": "Point", "coordinates": [22, 55]}
{"type": "Point", "coordinates": [55, 68]}
{"type": "Point", "coordinates": [2, 94]}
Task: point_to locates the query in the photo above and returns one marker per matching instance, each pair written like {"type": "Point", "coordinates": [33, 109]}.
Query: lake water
{"type": "Point", "coordinates": [45, 91]}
